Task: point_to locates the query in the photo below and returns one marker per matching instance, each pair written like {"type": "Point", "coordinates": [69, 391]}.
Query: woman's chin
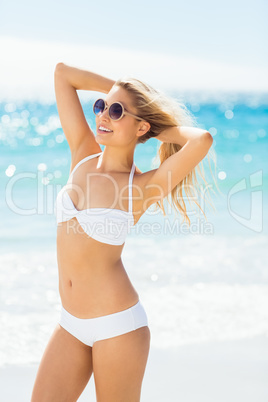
{"type": "Point", "coordinates": [99, 138]}
{"type": "Point", "coordinates": [103, 139]}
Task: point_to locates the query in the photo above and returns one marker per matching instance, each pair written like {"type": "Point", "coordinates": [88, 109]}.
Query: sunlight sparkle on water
{"type": "Point", "coordinates": [10, 170]}
{"type": "Point", "coordinates": [261, 133]}
{"type": "Point", "coordinates": [229, 114]}
{"type": "Point", "coordinates": [247, 158]}
{"type": "Point", "coordinates": [42, 167]}
{"type": "Point", "coordinates": [222, 175]}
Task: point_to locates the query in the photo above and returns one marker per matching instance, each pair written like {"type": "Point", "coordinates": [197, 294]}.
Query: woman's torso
{"type": "Point", "coordinates": [92, 279]}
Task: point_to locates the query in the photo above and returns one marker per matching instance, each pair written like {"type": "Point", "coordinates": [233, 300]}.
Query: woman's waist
{"type": "Point", "coordinates": [85, 300]}
{"type": "Point", "coordinates": [94, 292]}
{"type": "Point", "coordinates": [93, 284]}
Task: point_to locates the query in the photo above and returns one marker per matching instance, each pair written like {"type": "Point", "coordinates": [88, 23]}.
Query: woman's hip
{"type": "Point", "coordinates": [90, 330]}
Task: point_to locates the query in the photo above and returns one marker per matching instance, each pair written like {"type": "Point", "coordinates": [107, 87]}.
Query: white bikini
{"type": "Point", "coordinates": [106, 225]}
{"type": "Point", "coordinates": [109, 226]}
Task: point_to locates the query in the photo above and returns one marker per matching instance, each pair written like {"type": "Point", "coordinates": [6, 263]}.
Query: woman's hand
{"type": "Point", "coordinates": [181, 135]}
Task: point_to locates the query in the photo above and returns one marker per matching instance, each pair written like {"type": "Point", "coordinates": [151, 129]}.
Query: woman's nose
{"type": "Point", "coordinates": [105, 113]}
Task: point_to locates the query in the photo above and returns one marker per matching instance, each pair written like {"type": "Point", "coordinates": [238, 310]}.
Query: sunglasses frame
{"type": "Point", "coordinates": [124, 112]}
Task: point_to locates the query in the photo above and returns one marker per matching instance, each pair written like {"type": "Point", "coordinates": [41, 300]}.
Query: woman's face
{"type": "Point", "coordinates": [124, 130]}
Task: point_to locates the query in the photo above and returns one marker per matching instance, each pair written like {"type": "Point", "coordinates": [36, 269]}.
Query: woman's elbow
{"type": "Point", "coordinates": [59, 67]}
{"type": "Point", "coordinates": [207, 139]}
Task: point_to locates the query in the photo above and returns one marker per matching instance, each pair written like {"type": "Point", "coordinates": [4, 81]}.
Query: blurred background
{"type": "Point", "coordinates": [213, 276]}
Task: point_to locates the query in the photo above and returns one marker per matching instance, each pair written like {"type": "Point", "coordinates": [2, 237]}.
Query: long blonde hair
{"type": "Point", "coordinates": [162, 112]}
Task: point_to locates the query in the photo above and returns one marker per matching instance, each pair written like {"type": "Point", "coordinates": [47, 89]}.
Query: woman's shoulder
{"type": "Point", "coordinates": [82, 153]}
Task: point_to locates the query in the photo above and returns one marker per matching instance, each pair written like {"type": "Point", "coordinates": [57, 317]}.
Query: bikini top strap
{"type": "Point", "coordinates": [84, 160]}
{"type": "Point", "coordinates": [131, 175]}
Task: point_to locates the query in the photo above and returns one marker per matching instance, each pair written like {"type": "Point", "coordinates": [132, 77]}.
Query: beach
{"type": "Point", "coordinates": [205, 289]}
{"type": "Point", "coordinates": [223, 371]}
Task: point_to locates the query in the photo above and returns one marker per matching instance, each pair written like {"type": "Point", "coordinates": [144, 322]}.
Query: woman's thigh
{"type": "Point", "coordinates": [119, 364]}
{"type": "Point", "coordinates": [65, 369]}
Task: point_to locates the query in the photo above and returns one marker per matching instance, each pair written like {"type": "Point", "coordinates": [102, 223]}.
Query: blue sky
{"type": "Point", "coordinates": [231, 34]}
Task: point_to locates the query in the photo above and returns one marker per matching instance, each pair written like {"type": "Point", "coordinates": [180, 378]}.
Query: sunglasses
{"type": "Point", "coordinates": [116, 110]}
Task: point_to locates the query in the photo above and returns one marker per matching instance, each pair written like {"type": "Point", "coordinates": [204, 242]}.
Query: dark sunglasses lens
{"type": "Point", "coordinates": [98, 106]}
{"type": "Point", "coordinates": [115, 111]}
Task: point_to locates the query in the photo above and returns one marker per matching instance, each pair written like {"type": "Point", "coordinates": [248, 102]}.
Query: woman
{"type": "Point", "coordinates": [103, 325]}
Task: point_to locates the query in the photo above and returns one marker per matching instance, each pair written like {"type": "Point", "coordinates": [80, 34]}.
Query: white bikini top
{"type": "Point", "coordinates": [105, 225]}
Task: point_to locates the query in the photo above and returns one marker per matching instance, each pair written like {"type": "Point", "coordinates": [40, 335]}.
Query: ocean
{"type": "Point", "coordinates": [200, 283]}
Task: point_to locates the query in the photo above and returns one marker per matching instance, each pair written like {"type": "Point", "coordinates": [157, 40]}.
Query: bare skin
{"type": "Point", "coordinates": [92, 282]}
{"type": "Point", "coordinates": [92, 279]}
{"type": "Point", "coordinates": [67, 365]}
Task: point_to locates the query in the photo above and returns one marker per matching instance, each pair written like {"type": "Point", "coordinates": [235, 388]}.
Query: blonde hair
{"type": "Point", "coordinates": [161, 112]}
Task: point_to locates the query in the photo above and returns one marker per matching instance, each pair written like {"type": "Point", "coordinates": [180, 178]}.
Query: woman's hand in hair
{"type": "Point", "coordinates": [181, 135]}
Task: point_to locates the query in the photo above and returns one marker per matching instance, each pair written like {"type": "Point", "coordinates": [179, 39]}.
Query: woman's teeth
{"type": "Point", "coordinates": [105, 129]}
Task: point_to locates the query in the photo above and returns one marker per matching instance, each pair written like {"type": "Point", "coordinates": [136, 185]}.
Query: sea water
{"type": "Point", "coordinates": [208, 281]}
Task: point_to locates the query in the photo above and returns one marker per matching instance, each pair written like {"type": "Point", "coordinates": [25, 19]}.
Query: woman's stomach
{"type": "Point", "coordinates": [91, 295]}
{"type": "Point", "coordinates": [92, 279]}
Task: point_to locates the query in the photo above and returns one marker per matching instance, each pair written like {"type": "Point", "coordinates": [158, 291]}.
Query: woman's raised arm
{"type": "Point", "coordinates": [84, 79]}
{"type": "Point", "coordinates": [180, 134]}
{"type": "Point", "coordinates": [195, 143]}
{"type": "Point", "coordinates": [67, 81]}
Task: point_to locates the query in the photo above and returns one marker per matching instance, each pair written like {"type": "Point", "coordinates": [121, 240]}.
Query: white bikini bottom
{"type": "Point", "coordinates": [90, 330]}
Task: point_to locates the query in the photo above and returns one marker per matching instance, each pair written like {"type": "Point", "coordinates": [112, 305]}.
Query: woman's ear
{"type": "Point", "coordinates": [144, 128]}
